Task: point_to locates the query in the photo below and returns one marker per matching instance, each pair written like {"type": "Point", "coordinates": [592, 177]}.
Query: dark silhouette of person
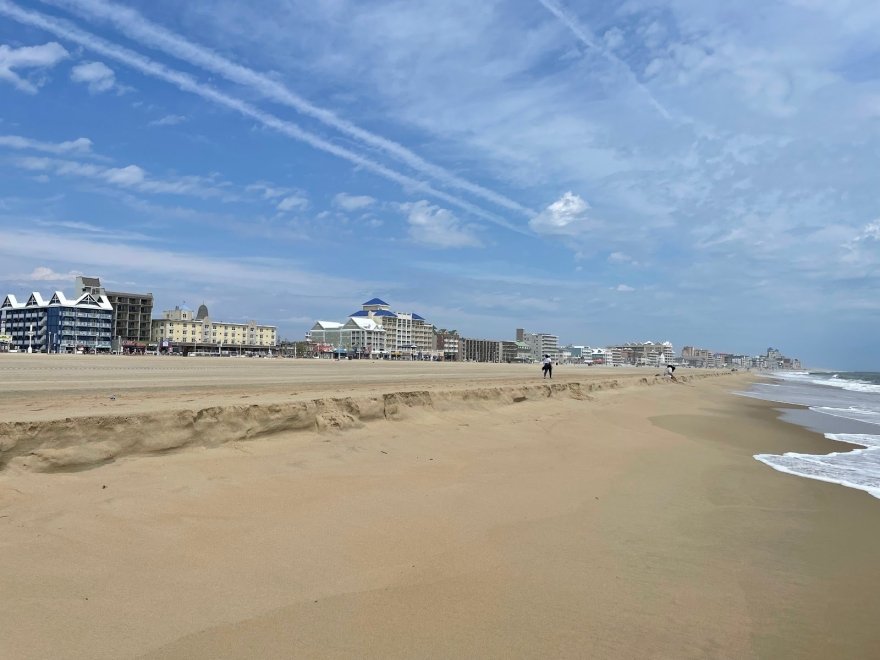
{"type": "Point", "coordinates": [547, 367]}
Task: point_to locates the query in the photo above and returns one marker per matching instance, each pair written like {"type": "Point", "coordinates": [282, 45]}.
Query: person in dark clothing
{"type": "Point", "coordinates": [547, 367]}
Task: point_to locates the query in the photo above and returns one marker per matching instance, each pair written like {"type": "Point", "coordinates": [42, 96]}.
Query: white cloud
{"type": "Point", "coordinates": [138, 27]}
{"type": "Point", "coordinates": [267, 190]}
{"type": "Point", "coordinates": [353, 202]}
{"type": "Point", "coordinates": [567, 216]}
{"type": "Point", "coordinates": [624, 288]}
{"type": "Point", "coordinates": [44, 274]}
{"type": "Point", "coordinates": [168, 120]}
{"type": "Point", "coordinates": [98, 76]}
{"type": "Point", "coordinates": [131, 175]}
{"type": "Point", "coordinates": [78, 146]}
{"type": "Point", "coordinates": [620, 258]}
{"type": "Point", "coordinates": [189, 84]}
{"type": "Point", "coordinates": [292, 202]}
{"type": "Point", "coordinates": [437, 227]}
{"type": "Point", "coordinates": [613, 38]}
{"type": "Point", "coordinates": [871, 231]}
{"type": "Point", "coordinates": [118, 256]}
{"type": "Point", "coordinates": [29, 57]}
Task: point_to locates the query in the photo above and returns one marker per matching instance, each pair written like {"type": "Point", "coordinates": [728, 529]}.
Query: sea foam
{"type": "Point", "coordinates": [858, 468]}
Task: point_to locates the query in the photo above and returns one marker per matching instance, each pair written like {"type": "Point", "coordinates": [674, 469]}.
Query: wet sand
{"type": "Point", "coordinates": [624, 522]}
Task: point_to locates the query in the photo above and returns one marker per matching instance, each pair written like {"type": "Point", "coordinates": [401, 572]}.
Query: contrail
{"type": "Point", "coordinates": [135, 26]}
{"type": "Point", "coordinates": [64, 30]}
{"type": "Point", "coordinates": [583, 35]}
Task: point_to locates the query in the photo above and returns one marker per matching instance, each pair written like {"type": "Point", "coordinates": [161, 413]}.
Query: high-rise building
{"type": "Point", "coordinates": [132, 312]}
{"type": "Point", "coordinates": [480, 350]}
{"type": "Point", "coordinates": [446, 343]}
{"type": "Point", "coordinates": [647, 353]}
{"type": "Point", "coordinates": [58, 325]}
{"type": "Point", "coordinates": [407, 334]}
{"type": "Point", "coordinates": [541, 344]}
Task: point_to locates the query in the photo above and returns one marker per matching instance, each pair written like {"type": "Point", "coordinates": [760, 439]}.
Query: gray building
{"type": "Point", "coordinates": [479, 350]}
{"type": "Point", "coordinates": [132, 312]}
{"type": "Point", "coordinates": [540, 343]}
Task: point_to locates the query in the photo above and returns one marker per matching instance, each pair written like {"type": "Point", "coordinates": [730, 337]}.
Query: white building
{"type": "Point", "coordinates": [601, 357]}
{"type": "Point", "coordinates": [377, 331]}
{"type": "Point", "coordinates": [541, 344]}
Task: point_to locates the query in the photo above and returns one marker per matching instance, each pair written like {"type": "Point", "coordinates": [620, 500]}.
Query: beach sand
{"type": "Point", "coordinates": [624, 521]}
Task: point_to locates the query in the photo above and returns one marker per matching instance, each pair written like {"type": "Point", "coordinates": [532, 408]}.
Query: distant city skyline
{"type": "Point", "coordinates": [179, 312]}
{"type": "Point", "coordinates": [603, 171]}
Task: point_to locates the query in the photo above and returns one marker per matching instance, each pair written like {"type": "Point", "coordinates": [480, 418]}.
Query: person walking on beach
{"type": "Point", "coordinates": [547, 367]}
{"type": "Point", "coordinates": [670, 371]}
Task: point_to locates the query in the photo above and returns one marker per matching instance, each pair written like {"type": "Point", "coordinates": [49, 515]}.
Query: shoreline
{"type": "Point", "coordinates": [553, 527]}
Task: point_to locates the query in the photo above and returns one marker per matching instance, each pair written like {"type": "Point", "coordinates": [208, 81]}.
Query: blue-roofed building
{"type": "Point", "coordinates": [403, 335]}
{"type": "Point", "coordinates": [58, 325]}
{"type": "Point", "coordinates": [407, 335]}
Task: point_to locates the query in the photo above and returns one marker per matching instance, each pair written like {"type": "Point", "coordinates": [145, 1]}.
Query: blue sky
{"type": "Point", "coordinates": [698, 171]}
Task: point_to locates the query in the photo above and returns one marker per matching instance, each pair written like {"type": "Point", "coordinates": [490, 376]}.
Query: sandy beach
{"type": "Point", "coordinates": [415, 510]}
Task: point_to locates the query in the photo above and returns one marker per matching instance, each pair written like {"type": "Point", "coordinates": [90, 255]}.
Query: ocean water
{"type": "Point", "coordinates": [845, 406]}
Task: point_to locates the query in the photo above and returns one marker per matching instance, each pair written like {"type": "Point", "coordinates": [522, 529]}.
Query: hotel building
{"type": "Point", "coordinates": [132, 312]}
{"type": "Point", "coordinates": [646, 353]}
{"type": "Point", "coordinates": [406, 333]}
{"type": "Point", "coordinates": [374, 330]}
{"type": "Point", "coordinates": [480, 350]}
{"type": "Point", "coordinates": [180, 327]}
{"type": "Point", "coordinates": [58, 325]}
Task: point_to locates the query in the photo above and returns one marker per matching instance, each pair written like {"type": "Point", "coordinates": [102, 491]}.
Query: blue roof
{"type": "Point", "coordinates": [360, 312]}
{"type": "Point", "coordinates": [376, 301]}
{"type": "Point", "coordinates": [384, 312]}
{"type": "Point", "coordinates": [417, 317]}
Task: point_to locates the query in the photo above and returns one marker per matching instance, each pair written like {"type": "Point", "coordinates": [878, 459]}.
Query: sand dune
{"type": "Point", "coordinates": [82, 441]}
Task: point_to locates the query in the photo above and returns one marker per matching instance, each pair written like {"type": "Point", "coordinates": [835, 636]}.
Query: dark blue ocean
{"type": "Point", "coordinates": [845, 406]}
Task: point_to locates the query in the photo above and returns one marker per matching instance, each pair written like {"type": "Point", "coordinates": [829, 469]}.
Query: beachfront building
{"type": "Point", "coordinates": [573, 354]}
{"type": "Point", "coordinates": [541, 344]}
{"type": "Point", "coordinates": [508, 351]}
{"type": "Point", "coordinates": [364, 337]}
{"type": "Point", "coordinates": [480, 350]}
{"type": "Point", "coordinates": [693, 356]}
{"type": "Point", "coordinates": [132, 313]}
{"type": "Point", "coordinates": [359, 336]}
{"type": "Point", "coordinates": [190, 332]}
{"type": "Point", "coordinates": [58, 325]}
{"type": "Point", "coordinates": [601, 357]}
{"type": "Point", "coordinates": [446, 344]}
{"type": "Point", "coordinates": [376, 331]}
{"type": "Point", "coordinates": [643, 354]}
{"type": "Point", "coordinates": [523, 351]}
{"type": "Point", "coordinates": [325, 334]}
{"type": "Point", "coordinates": [774, 359]}
{"type": "Point", "coordinates": [407, 334]}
